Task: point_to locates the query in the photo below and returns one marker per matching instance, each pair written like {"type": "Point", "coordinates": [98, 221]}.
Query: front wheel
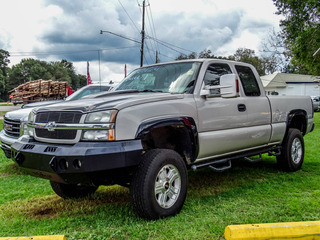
{"type": "Point", "coordinates": [72, 190]}
{"type": "Point", "coordinates": [292, 153]}
{"type": "Point", "coordinates": [159, 186]}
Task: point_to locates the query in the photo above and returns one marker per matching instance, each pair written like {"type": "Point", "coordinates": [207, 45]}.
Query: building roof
{"type": "Point", "coordinates": [282, 79]}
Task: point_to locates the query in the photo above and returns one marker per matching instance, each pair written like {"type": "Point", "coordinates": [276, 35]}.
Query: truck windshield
{"type": "Point", "coordinates": [169, 78]}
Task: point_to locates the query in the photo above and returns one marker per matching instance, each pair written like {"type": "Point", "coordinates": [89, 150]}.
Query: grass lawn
{"type": "Point", "coordinates": [247, 193]}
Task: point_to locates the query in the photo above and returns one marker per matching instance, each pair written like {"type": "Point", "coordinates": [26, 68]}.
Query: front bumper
{"type": "Point", "coordinates": [6, 143]}
{"type": "Point", "coordinates": [81, 163]}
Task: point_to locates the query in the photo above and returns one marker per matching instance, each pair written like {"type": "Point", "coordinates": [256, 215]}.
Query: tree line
{"type": "Point", "coordinates": [264, 65]}
{"type": "Point", "coordinates": [32, 69]}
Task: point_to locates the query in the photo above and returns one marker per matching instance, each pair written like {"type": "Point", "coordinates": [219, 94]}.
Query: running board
{"type": "Point", "coordinates": [254, 160]}
{"type": "Point", "coordinates": [221, 169]}
{"type": "Point", "coordinates": [275, 151]}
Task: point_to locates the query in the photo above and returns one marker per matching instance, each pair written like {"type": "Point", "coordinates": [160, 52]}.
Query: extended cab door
{"type": "Point", "coordinates": [222, 122]}
{"type": "Point", "coordinates": [257, 106]}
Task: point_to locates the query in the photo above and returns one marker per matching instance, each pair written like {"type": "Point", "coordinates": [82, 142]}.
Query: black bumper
{"type": "Point", "coordinates": [6, 149]}
{"type": "Point", "coordinates": [83, 162]}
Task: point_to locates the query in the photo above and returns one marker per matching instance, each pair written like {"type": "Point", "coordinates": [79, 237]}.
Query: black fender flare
{"type": "Point", "coordinates": [298, 113]}
{"type": "Point", "coordinates": [179, 122]}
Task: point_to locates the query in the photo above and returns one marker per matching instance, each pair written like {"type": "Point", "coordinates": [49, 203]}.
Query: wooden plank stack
{"type": "Point", "coordinates": [39, 90]}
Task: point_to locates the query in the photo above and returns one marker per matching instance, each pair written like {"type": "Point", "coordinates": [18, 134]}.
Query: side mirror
{"type": "Point", "coordinates": [228, 88]}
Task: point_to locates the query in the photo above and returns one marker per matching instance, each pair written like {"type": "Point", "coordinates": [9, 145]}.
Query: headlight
{"type": "Point", "coordinates": [28, 130]}
{"type": "Point", "coordinates": [101, 117]}
{"type": "Point", "coordinates": [32, 117]}
{"type": "Point", "coordinates": [104, 134]}
{"type": "Point", "coordinates": [23, 128]}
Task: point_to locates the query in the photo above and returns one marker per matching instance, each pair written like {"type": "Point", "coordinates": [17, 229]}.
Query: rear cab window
{"type": "Point", "coordinates": [248, 80]}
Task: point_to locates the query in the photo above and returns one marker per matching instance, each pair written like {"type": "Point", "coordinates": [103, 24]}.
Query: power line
{"type": "Point", "coordinates": [129, 16]}
{"type": "Point", "coordinates": [166, 43]}
{"type": "Point", "coordinates": [152, 27]}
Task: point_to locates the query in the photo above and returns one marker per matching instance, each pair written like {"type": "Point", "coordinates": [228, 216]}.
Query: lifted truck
{"type": "Point", "coordinates": [160, 121]}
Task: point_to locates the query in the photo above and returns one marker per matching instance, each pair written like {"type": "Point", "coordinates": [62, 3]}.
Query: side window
{"type": "Point", "coordinates": [248, 80]}
{"type": "Point", "coordinates": [213, 74]}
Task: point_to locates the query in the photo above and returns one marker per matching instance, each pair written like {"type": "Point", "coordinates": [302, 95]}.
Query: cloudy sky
{"type": "Point", "coordinates": [52, 30]}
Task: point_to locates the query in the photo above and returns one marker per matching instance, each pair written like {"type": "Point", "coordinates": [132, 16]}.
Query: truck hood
{"type": "Point", "coordinates": [112, 100]}
{"type": "Point", "coordinates": [41, 104]}
{"type": "Point", "coordinates": [19, 115]}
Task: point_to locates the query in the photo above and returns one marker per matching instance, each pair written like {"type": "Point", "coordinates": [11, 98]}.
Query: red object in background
{"type": "Point", "coordinates": [88, 75]}
{"type": "Point", "coordinates": [69, 90]}
{"type": "Point", "coordinates": [125, 70]}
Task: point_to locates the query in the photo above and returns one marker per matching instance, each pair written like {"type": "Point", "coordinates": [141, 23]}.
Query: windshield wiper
{"type": "Point", "coordinates": [149, 90]}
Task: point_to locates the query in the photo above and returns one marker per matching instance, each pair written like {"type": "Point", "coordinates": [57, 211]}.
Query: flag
{"type": "Point", "coordinates": [88, 75]}
{"type": "Point", "coordinates": [125, 70]}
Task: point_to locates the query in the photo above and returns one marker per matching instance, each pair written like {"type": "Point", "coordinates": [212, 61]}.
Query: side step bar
{"type": "Point", "coordinates": [275, 151]}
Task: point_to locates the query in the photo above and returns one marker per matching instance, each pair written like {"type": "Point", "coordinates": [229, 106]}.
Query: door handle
{"type": "Point", "coordinates": [242, 107]}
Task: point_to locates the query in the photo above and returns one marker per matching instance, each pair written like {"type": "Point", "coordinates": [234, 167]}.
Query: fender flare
{"type": "Point", "coordinates": [179, 122]}
{"type": "Point", "coordinates": [297, 113]}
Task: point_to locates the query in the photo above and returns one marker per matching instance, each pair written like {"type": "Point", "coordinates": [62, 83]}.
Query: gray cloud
{"type": "Point", "coordinates": [77, 29]}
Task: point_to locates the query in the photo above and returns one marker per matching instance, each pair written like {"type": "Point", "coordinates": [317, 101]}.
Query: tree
{"type": "Point", "coordinates": [28, 70]}
{"type": "Point", "coordinates": [190, 56]}
{"type": "Point", "coordinates": [263, 65]}
{"type": "Point", "coordinates": [4, 71]}
{"type": "Point", "coordinates": [301, 32]}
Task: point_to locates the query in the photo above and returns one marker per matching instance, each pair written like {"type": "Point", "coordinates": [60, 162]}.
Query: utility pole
{"type": "Point", "coordinates": [157, 59]}
{"type": "Point", "coordinates": [142, 34]}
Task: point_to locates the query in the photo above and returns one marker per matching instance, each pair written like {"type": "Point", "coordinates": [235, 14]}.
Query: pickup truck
{"type": "Point", "coordinates": [156, 124]}
{"type": "Point", "coordinates": [14, 122]}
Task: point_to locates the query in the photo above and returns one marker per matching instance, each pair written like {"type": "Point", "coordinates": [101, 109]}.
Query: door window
{"type": "Point", "coordinates": [248, 80]}
{"type": "Point", "coordinates": [213, 74]}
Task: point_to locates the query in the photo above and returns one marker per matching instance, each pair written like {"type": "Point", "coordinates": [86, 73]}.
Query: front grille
{"type": "Point", "coordinates": [11, 127]}
{"type": "Point", "coordinates": [57, 117]}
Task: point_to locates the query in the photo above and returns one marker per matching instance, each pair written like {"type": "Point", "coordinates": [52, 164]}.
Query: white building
{"type": "Point", "coordinates": [291, 84]}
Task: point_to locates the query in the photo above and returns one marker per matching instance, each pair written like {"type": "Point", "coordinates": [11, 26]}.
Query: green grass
{"type": "Point", "coordinates": [247, 193]}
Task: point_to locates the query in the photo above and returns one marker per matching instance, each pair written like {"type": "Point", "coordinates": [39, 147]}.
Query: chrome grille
{"type": "Point", "coordinates": [11, 127]}
{"type": "Point", "coordinates": [57, 117]}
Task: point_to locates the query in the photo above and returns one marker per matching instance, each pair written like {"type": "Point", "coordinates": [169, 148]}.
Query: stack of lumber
{"type": "Point", "coordinates": [39, 90]}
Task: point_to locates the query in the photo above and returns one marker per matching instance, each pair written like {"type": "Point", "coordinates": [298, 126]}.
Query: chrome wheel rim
{"type": "Point", "coordinates": [296, 151]}
{"type": "Point", "coordinates": [167, 186]}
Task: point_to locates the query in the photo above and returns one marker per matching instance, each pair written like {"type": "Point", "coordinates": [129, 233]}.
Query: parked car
{"type": "Point", "coordinates": [14, 121]}
{"type": "Point", "coordinates": [315, 102]}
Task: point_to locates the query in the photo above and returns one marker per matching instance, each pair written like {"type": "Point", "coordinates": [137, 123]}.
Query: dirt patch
{"type": "Point", "coordinates": [53, 206]}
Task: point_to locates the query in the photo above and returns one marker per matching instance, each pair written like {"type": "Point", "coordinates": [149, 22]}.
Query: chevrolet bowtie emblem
{"type": "Point", "coordinates": [50, 126]}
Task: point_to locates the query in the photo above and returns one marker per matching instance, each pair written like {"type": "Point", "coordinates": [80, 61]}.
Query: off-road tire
{"type": "Point", "coordinates": [292, 153]}
{"type": "Point", "coordinates": [159, 186]}
{"type": "Point", "coordinates": [72, 191]}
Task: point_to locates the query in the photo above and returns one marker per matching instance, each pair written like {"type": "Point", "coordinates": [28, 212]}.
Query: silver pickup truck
{"type": "Point", "coordinates": [159, 122]}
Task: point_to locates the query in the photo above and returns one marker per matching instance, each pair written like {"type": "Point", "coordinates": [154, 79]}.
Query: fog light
{"type": "Point", "coordinates": [95, 135]}
{"type": "Point", "coordinates": [63, 164]}
{"type": "Point", "coordinates": [77, 164]}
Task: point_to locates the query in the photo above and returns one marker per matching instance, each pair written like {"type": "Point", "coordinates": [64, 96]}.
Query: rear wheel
{"type": "Point", "coordinates": [292, 153]}
{"type": "Point", "coordinates": [159, 186]}
{"type": "Point", "coordinates": [72, 190]}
